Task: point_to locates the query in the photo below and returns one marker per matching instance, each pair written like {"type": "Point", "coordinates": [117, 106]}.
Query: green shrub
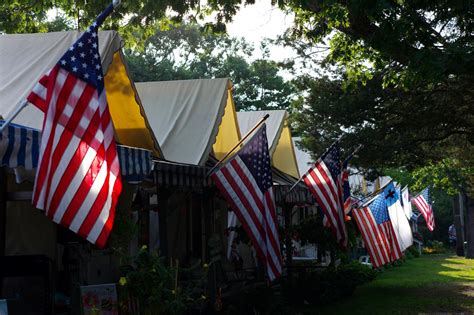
{"type": "Point", "coordinates": [158, 287]}
{"type": "Point", "coordinates": [412, 252]}
{"type": "Point", "coordinates": [434, 247]}
{"type": "Point", "coordinates": [332, 284]}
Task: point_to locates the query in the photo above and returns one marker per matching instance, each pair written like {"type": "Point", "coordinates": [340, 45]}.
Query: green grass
{"type": "Point", "coordinates": [429, 284]}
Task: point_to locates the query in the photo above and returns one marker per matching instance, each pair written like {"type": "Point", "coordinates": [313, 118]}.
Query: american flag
{"type": "Point", "coordinates": [246, 182]}
{"type": "Point", "coordinates": [377, 231]}
{"type": "Point", "coordinates": [324, 180]}
{"type": "Point", "coordinates": [78, 177]}
{"type": "Point", "coordinates": [423, 203]}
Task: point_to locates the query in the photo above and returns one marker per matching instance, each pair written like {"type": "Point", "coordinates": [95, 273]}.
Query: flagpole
{"type": "Point", "coordinates": [239, 143]}
{"type": "Point", "coordinates": [301, 178]}
{"type": "Point", "coordinates": [20, 107]}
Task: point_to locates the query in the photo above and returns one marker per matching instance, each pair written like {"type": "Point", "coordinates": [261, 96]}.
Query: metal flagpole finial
{"type": "Point", "coordinates": [116, 3]}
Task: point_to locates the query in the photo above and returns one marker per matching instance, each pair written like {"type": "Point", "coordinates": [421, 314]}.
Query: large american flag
{"type": "Point", "coordinates": [423, 203]}
{"type": "Point", "coordinates": [324, 180]}
{"type": "Point", "coordinates": [246, 182]}
{"type": "Point", "coordinates": [377, 231]}
{"type": "Point", "coordinates": [78, 177]}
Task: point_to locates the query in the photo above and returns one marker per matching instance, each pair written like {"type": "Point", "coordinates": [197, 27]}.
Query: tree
{"type": "Point", "coordinates": [189, 51]}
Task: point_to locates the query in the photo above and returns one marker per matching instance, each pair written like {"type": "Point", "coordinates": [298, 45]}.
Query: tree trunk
{"type": "Point", "coordinates": [469, 202]}
{"type": "Point", "coordinates": [458, 224]}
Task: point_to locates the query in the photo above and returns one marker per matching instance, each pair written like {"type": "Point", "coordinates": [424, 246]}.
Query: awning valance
{"type": "Point", "coordinates": [171, 174]}
{"type": "Point", "coordinates": [19, 146]}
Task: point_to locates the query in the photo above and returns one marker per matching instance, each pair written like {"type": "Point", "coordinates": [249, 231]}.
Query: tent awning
{"type": "Point", "coordinates": [24, 58]}
{"type": "Point", "coordinates": [19, 146]}
{"type": "Point", "coordinates": [192, 119]}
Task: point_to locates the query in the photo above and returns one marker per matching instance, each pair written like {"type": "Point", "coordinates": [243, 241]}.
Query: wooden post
{"type": "Point", "coordinates": [163, 197]}
{"type": "Point", "coordinates": [3, 209]}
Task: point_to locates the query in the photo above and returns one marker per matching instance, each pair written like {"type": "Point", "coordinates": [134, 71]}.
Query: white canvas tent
{"type": "Point", "coordinates": [192, 119]}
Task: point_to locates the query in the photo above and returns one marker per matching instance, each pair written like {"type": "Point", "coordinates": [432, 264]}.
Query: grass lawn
{"type": "Point", "coordinates": [429, 284]}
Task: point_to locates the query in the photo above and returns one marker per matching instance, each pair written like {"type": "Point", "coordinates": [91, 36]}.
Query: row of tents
{"type": "Point", "coordinates": [169, 134]}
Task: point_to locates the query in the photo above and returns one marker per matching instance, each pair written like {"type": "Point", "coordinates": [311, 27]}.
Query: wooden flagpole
{"type": "Point", "coordinates": [238, 144]}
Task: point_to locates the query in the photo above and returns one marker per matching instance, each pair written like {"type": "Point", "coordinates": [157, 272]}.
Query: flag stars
{"type": "Point", "coordinates": [63, 62]}
{"type": "Point", "coordinates": [82, 55]}
{"type": "Point", "coordinates": [73, 58]}
{"type": "Point", "coordinates": [94, 45]}
{"type": "Point", "coordinates": [74, 69]}
{"type": "Point", "coordinates": [80, 44]}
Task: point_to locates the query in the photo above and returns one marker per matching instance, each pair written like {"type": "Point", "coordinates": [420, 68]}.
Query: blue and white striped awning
{"type": "Point", "coordinates": [135, 164]}
{"type": "Point", "coordinates": [19, 146]}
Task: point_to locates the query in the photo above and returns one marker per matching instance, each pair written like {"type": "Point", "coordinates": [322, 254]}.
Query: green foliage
{"type": "Point", "coordinates": [319, 287]}
{"type": "Point", "coordinates": [397, 78]}
{"type": "Point", "coordinates": [189, 51]}
{"type": "Point", "coordinates": [434, 247]}
{"type": "Point", "coordinates": [159, 288]}
{"type": "Point", "coordinates": [412, 252]}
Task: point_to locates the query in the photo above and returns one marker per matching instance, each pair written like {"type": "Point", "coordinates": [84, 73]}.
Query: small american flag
{"type": "Point", "coordinates": [423, 203]}
{"type": "Point", "coordinates": [324, 180]}
{"type": "Point", "coordinates": [246, 183]}
{"type": "Point", "coordinates": [377, 231]}
{"type": "Point", "coordinates": [78, 178]}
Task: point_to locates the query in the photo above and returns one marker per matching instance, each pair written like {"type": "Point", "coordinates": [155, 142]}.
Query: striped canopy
{"type": "Point", "coordinates": [19, 146]}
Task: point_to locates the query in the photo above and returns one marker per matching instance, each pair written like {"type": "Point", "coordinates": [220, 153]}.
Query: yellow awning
{"type": "Point", "coordinates": [229, 133]}
{"type": "Point", "coordinates": [131, 125]}
{"type": "Point", "coordinates": [284, 157]}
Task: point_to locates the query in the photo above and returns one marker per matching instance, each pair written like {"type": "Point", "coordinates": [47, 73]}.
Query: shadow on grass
{"type": "Point", "coordinates": [430, 284]}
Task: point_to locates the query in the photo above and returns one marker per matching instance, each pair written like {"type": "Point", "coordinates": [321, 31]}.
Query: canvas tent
{"type": "Point", "coordinates": [192, 119]}
{"type": "Point", "coordinates": [279, 138]}
{"type": "Point", "coordinates": [24, 58]}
